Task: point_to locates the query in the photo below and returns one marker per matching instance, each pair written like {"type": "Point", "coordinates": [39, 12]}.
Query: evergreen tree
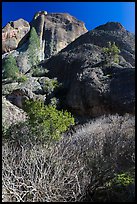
{"type": "Point", "coordinates": [10, 69]}
{"type": "Point", "coordinates": [111, 53]}
{"type": "Point", "coordinates": [33, 47]}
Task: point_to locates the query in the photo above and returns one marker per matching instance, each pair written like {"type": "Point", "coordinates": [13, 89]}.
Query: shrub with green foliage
{"type": "Point", "coordinates": [122, 179]}
{"type": "Point", "coordinates": [33, 47]}
{"type": "Point", "coordinates": [50, 85]}
{"type": "Point", "coordinates": [46, 121]}
{"type": "Point", "coordinates": [111, 53]}
{"type": "Point", "coordinates": [121, 187]}
{"type": "Point", "coordinates": [10, 69]}
{"type": "Point", "coordinates": [54, 101]}
{"type": "Point", "coordinates": [22, 78]}
{"type": "Point", "coordinates": [38, 71]}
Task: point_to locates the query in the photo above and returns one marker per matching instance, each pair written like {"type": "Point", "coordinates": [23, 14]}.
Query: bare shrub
{"type": "Point", "coordinates": [42, 174]}
{"type": "Point", "coordinates": [72, 169]}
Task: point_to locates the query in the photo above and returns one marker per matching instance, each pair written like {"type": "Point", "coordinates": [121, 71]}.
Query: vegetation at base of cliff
{"type": "Point", "coordinates": [47, 120]}
{"type": "Point", "coordinates": [111, 53]}
{"type": "Point", "coordinates": [33, 47]}
{"type": "Point", "coordinates": [90, 164]}
{"type": "Point", "coordinates": [45, 123]}
{"type": "Point", "coordinates": [10, 68]}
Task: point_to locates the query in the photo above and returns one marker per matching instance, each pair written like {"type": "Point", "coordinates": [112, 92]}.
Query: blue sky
{"type": "Point", "coordinates": [92, 14]}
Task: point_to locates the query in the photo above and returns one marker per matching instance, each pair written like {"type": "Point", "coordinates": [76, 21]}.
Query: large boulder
{"type": "Point", "coordinates": [90, 88]}
{"type": "Point", "coordinates": [102, 91]}
{"type": "Point", "coordinates": [12, 33]}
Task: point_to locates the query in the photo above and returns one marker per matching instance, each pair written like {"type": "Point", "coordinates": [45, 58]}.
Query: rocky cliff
{"type": "Point", "coordinates": [56, 31]}
{"type": "Point", "coordinates": [90, 87]}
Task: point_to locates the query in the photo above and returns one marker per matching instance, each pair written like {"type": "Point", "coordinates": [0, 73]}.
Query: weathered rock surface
{"type": "Point", "coordinates": [90, 88]}
{"type": "Point", "coordinates": [56, 31]}
{"type": "Point", "coordinates": [11, 114]}
{"type": "Point", "coordinates": [12, 33]}
{"type": "Point", "coordinates": [7, 88]}
{"type": "Point", "coordinates": [16, 93]}
{"type": "Point", "coordinates": [114, 32]}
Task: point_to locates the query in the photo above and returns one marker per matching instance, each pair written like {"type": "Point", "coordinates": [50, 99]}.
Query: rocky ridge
{"type": "Point", "coordinates": [56, 31]}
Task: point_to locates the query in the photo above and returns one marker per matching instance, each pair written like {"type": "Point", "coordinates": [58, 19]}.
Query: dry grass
{"type": "Point", "coordinates": [63, 171]}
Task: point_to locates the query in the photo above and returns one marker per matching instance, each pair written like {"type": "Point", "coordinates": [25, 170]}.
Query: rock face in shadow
{"type": "Point", "coordinates": [12, 34]}
{"type": "Point", "coordinates": [56, 31]}
{"type": "Point", "coordinates": [90, 87]}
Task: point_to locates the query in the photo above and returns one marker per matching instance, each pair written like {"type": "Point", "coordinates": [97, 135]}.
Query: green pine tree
{"type": "Point", "coordinates": [33, 47]}
{"type": "Point", "coordinates": [10, 69]}
{"type": "Point", "coordinates": [111, 53]}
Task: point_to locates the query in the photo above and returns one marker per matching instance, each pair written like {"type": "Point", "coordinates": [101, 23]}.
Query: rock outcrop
{"type": "Point", "coordinates": [12, 34]}
{"type": "Point", "coordinates": [17, 93]}
{"type": "Point", "coordinates": [56, 31]}
{"type": "Point", "coordinates": [91, 88]}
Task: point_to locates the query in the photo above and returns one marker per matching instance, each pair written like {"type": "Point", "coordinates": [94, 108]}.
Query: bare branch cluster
{"type": "Point", "coordinates": [65, 170]}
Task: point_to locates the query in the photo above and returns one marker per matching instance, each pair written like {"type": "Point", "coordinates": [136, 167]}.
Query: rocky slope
{"type": "Point", "coordinates": [16, 92]}
{"type": "Point", "coordinates": [91, 88]}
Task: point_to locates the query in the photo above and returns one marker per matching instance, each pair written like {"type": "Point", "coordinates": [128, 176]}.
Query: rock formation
{"type": "Point", "coordinates": [56, 31]}
{"type": "Point", "coordinates": [12, 33]}
{"type": "Point", "coordinates": [90, 88]}
{"type": "Point", "coordinates": [16, 93]}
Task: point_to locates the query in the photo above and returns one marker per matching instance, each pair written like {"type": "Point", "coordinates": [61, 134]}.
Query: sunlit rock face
{"type": "Point", "coordinates": [12, 33]}
{"type": "Point", "coordinates": [56, 31]}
